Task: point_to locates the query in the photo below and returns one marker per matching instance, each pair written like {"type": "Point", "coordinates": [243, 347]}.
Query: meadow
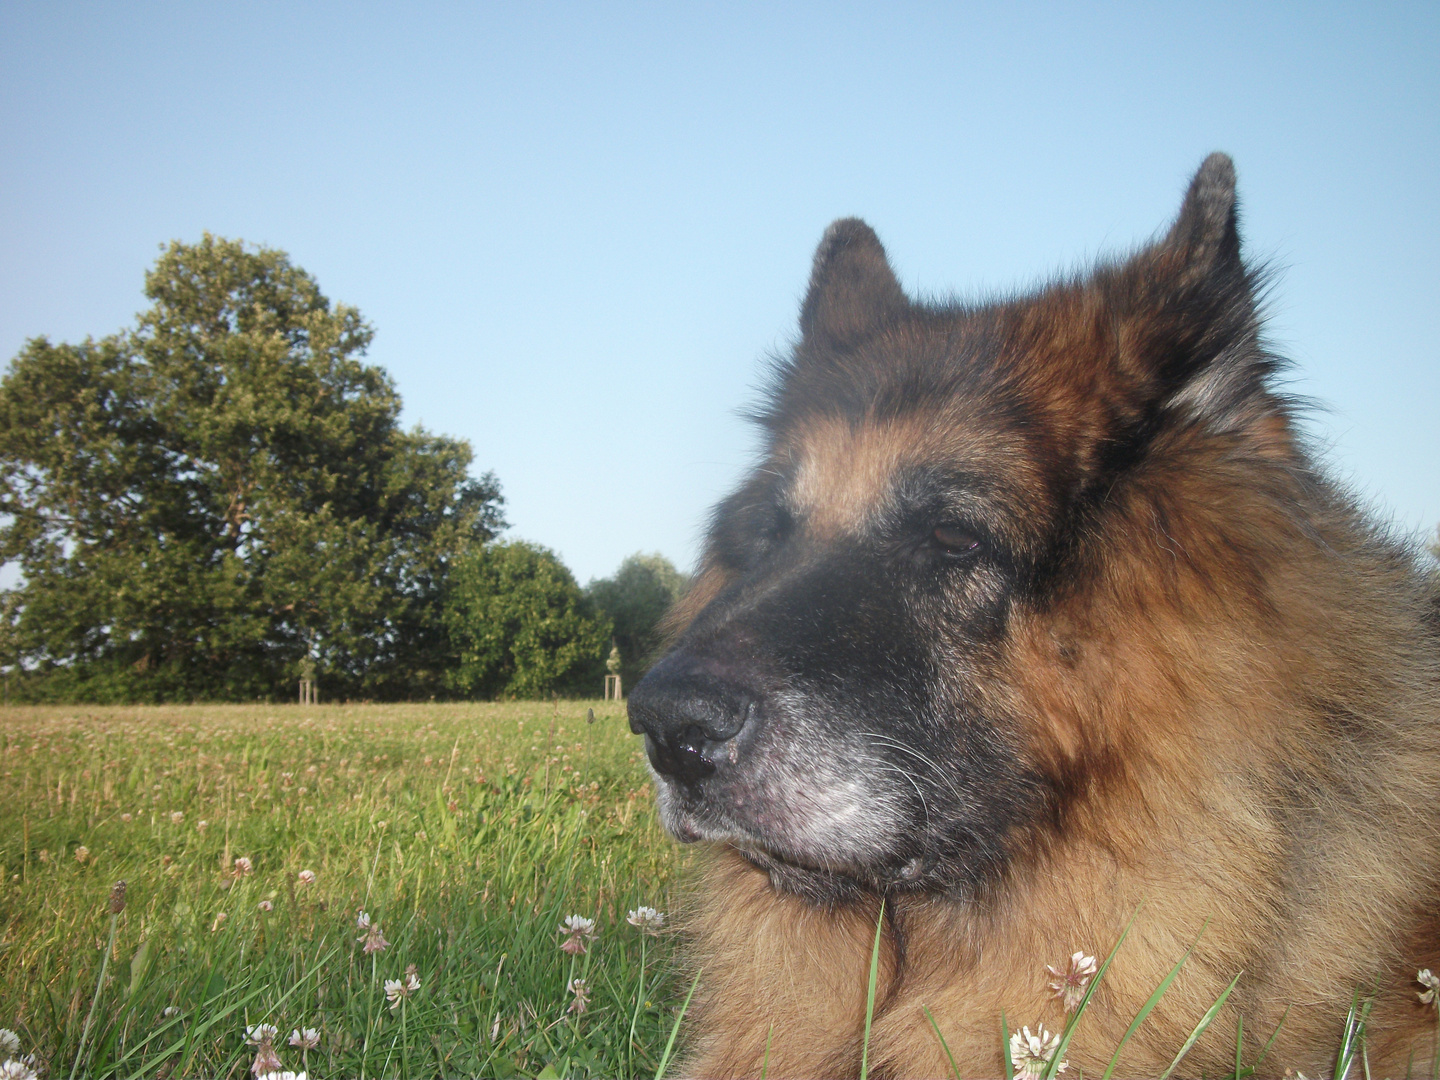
{"type": "Point", "coordinates": [251, 840]}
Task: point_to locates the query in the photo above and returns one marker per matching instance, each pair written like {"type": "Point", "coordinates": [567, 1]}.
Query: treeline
{"type": "Point", "coordinates": [221, 501]}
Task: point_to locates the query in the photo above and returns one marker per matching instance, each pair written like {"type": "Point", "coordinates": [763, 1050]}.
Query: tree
{"type": "Point", "coordinates": [200, 503]}
{"type": "Point", "coordinates": [520, 626]}
{"type": "Point", "coordinates": [635, 600]}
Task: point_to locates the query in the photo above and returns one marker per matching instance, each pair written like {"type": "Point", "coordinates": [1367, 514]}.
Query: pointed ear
{"type": "Point", "coordinates": [853, 291]}
{"type": "Point", "coordinates": [1192, 335]}
{"type": "Point", "coordinates": [1205, 239]}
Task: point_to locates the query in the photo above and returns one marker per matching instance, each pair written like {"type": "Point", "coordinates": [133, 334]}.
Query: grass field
{"type": "Point", "coordinates": [467, 833]}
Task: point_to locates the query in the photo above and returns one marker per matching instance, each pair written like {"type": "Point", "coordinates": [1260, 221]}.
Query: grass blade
{"type": "Point", "coordinates": [1255, 1065]}
{"type": "Point", "coordinates": [675, 1030]}
{"type": "Point", "coordinates": [1204, 1023]}
{"type": "Point", "coordinates": [1353, 1041]}
{"type": "Point", "coordinates": [1005, 1047]}
{"type": "Point", "coordinates": [1151, 1002]}
{"type": "Point", "coordinates": [946, 1046]}
{"type": "Point", "coordinates": [870, 993]}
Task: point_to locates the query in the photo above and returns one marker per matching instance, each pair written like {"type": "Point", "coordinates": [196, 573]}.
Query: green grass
{"type": "Point", "coordinates": [468, 832]}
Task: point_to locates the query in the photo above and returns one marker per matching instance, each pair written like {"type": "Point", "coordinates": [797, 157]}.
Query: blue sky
{"type": "Point", "coordinates": [579, 229]}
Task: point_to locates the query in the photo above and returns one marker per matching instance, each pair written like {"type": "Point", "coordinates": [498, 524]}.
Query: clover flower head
{"type": "Point", "coordinates": [168, 1011]}
{"type": "Point", "coordinates": [305, 1038]}
{"type": "Point", "coordinates": [9, 1041]}
{"type": "Point", "coordinates": [82, 854]}
{"type": "Point", "coordinates": [412, 978]}
{"type": "Point", "coordinates": [177, 816]}
{"type": "Point", "coordinates": [16, 1069]}
{"type": "Point", "coordinates": [306, 877]}
{"type": "Point", "coordinates": [201, 825]}
{"type": "Point", "coordinates": [1431, 994]}
{"type": "Point", "coordinates": [1031, 1054]}
{"type": "Point", "coordinates": [286, 1075]}
{"type": "Point", "coordinates": [265, 905]}
{"type": "Point", "coordinates": [581, 990]}
{"type": "Point", "coordinates": [243, 866]}
{"type": "Point", "coordinates": [127, 817]}
{"type": "Point", "coordinates": [374, 940]}
{"type": "Point", "coordinates": [267, 1061]}
{"type": "Point", "coordinates": [579, 932]}
{"type": "Point", "coordinates": [362, 919]}
{"type": "Point", "coordinates": [397, 990]}
{"type": "Point", "coordinates": [1069, 985]}
{"type": "Point", "coordinates": [647, 919]}
{"type": "Point", "coordinates": [262, 1037]}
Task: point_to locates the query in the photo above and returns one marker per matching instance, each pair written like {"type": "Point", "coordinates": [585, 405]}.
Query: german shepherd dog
{"type": "Point", "coordinates": [1036, 617]}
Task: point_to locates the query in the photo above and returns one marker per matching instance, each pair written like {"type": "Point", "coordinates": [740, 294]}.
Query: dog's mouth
{"type": "Point", "coordinates": [773, 838]}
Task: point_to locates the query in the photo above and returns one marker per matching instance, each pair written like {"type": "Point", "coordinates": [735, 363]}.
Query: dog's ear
{"type": "Point", "coordinates": [853, 292]}
{"type": "Point", "coordinates": [1190, 332]}
{"type": "Point", "coordinates": [1205, 239]}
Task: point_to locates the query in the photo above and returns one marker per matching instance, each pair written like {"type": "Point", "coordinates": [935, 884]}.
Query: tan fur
{"type": "Point", "coordinates": [1191, 693]}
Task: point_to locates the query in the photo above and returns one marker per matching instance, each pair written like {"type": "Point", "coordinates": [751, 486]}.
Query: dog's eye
{"type": "Point", "coordinates": [955, 541]}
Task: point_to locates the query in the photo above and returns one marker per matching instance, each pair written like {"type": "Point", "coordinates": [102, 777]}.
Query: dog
{"type": "Point", "coordinates": [1037, 621]}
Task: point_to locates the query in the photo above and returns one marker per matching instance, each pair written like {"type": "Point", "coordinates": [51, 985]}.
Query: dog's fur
{"type": "Point", "coordinates": [1035, 614]}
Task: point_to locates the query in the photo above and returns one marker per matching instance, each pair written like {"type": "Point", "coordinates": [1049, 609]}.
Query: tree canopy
{"type": "Point", "coordinates": [520, 625]}
{"type": "Point", "coordinates": [635, 599]}
{"type": "Point", "coordinates": [201, 503]}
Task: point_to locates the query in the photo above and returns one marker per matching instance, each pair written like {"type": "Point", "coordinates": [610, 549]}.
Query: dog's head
{"type": "Point", "coordinates": [844, 701]}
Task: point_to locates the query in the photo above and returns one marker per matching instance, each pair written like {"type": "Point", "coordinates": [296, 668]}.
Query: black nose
{"type": "Point", "coordinates": [687, 707]}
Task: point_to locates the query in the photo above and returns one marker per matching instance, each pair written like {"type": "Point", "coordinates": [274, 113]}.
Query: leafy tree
{"type": "Point", "coordinates": [520, 626]}
{"type": "Point", "coordinates": [636, 599]}
{"type": "Point", "coordinates": [200, 503]}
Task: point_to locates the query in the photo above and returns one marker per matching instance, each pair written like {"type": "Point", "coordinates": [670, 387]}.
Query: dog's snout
{"type": "Point", "coordinates": [687, 708]}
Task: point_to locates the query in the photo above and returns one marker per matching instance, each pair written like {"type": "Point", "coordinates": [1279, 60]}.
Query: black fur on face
{"type": "Point", "coordinates": [836, 710]}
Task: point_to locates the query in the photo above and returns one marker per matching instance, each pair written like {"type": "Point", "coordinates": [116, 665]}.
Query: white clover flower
{"type": "Point", "coordinates": [581, 991]}
{"type": "Point", "coordinates": [306, 877]}
{"type": "Point", "coordinates": [647, 919]}
{"type": "Point", "coordinates": [1069, 985]}
{"type": "Point", "coordinates": [243, 866]}
{"type": "Point", "coordinates": [362, 919]}
{"type": "Point", "coordinates": [305, 1038]}
{"type": "Point", "coordinates": [261, 1034]}
{"type": "Point", "coordinates": [9, 1041]}
{"type": "Point", "coordinates": [1431, 995]}
{"type": "Point", "coordinates": [176, 817]}
{"type": "Point", "coordinates": [169, 1011]}
{"type": "Point", "coordinates": [265, 905]}
{"type": "Point", "coordinates": [395, 991]}
{"type": "Point", "coordinates": [82, 854]}
{"type": "Point", "coordinates": [127, 818]}
{"type": "Point", "coordinates": [412, 978]}
{"type": "Point", "coordinates": [579, 931]}
{"type": "Point", "coordinates": [286, 1075]}
{"type": "Point", "coordinates": [201, 825]}
{"type": "Point", "coordinates": [1031, 1054]}
{"type": "Point", "coordinates": [14, 1069]}
{"type": "Point", "coordinates": [374, 940]}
